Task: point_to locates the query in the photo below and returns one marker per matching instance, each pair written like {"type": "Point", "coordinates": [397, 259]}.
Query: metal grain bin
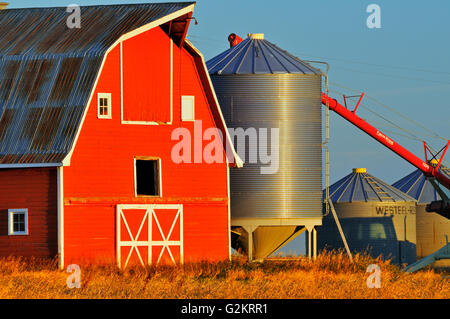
{"type": "Point", "coordinates": [431, 228]}
{"type": "Point", "coordinates": [262, 88]}
{"type": "Point", "coordinates": [375, 217]}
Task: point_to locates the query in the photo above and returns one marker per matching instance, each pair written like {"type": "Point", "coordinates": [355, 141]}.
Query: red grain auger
{"type": "Point", "coordinates": [430, 166]}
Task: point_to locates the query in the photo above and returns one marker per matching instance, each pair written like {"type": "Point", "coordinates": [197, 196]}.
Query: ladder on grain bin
{"type": "Point", "coordinates": [430, 168]}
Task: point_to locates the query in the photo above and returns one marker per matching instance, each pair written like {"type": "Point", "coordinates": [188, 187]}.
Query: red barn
{"type": "Point", "coordinates": [90, 121]}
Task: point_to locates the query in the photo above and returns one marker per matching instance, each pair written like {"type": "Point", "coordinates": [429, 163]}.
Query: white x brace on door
{"type": "Point", "coordinates": [145, 232]}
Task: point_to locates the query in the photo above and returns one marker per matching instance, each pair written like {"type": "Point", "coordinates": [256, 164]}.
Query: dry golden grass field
{"type": "Point", "coordinates": [331, 275]}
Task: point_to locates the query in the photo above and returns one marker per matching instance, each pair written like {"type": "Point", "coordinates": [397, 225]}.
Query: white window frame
{"type": "Point", "coordinates": [108, 97]}
{"type": "Point", "coordinates": [160, 188]}
{"type": "Point", "coordinates": [11, 213]}
{"type": "Point", "coordinates": [191, 99]}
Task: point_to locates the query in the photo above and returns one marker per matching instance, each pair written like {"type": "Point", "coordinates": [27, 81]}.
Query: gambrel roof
{"type": "Point", "coordinates": [48, 72]}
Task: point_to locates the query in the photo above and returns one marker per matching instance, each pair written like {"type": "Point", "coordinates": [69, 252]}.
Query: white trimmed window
{"type": "Point", "coordinates": [18, 221]}
{"type": "Point", "coordinates": [104, 105]}
{"type": "Point", "coordinates": [187, 108]}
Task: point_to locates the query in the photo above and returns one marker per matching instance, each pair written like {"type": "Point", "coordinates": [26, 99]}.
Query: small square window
{"type": "Point", "coordinates": [18, 221]}
{"type": "Point", "coordinates": [147, 177]}
{"type": "Point", "coordinates": [187, 108]}
{"type": "Point", "coordinates": [104, 106]}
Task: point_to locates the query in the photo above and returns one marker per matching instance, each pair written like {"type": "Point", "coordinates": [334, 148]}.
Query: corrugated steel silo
{"type": "Point", "coordinates": [431, 228]}
{"type": "Point", "coordinates": [374, 216]}
{"type": "Point", "coordinates": [262, 87]}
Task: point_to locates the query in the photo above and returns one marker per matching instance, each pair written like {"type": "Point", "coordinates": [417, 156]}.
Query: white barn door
{"type": "Point", "coordinates": [149, 234]}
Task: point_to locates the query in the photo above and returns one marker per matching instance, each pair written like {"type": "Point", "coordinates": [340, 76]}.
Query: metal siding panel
{"type": "Point", "coordinates": [292, 104]}
{"type": "Point", "coordinates": [431, 231]}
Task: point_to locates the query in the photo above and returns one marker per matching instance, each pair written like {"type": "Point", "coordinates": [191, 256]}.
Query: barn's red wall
{"type": "Point", "coordinates": [154, 90]}
{"type": "Point", "coordinates": [34, 189]}
{"type": "Point", "coordinates": [101, 172]}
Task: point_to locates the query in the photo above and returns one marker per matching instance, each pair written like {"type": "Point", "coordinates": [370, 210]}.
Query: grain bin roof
{"type": "Point", "coordinates": [417, 186]}
{"type": "Point", "coordinates": [48, 72]}
{"type": "Point", "coordinates": [359, 186]}
{"type": "Point", "coordinates": [255, 55]}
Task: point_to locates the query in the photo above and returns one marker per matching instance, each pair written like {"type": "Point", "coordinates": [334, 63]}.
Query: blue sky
{"type": "Point", "coordinates": [405, 64]}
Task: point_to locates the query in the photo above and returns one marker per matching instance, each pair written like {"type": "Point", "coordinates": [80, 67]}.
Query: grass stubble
{"type": "Point", "coordinates": [330, 276]}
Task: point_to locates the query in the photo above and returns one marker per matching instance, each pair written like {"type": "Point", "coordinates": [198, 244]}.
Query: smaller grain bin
{"type": "Point", "coordinates": [375, 217]}
{"type": "Point", "coordinates": [431, 228]}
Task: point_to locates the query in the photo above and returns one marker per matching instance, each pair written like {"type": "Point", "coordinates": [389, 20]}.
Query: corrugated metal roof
{"type": "Point", "coordinates": [363, 187]}
{"type": "Point", "coordinates": [416, 185]}
{"type": "Point", "coordinates": [258, 56]}
{"type": "Point", "coordinates": [47, 73]}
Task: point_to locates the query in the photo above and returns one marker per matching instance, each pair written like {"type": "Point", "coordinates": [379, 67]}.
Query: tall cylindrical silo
{"type": "Point", "coordinates": [273, 99]}
{"type": "Point", "coordinates": [375, 217]}
{"type": "Point", "coordinates": [431, 228]}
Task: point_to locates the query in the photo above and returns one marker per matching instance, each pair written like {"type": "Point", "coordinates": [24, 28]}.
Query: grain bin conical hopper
{"type": "Point", "coordinates": [271, 102]}
{"type": "Point", "coordinates": [431, 228]}
{"type": "Point", "coordinates": [375, 217]}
